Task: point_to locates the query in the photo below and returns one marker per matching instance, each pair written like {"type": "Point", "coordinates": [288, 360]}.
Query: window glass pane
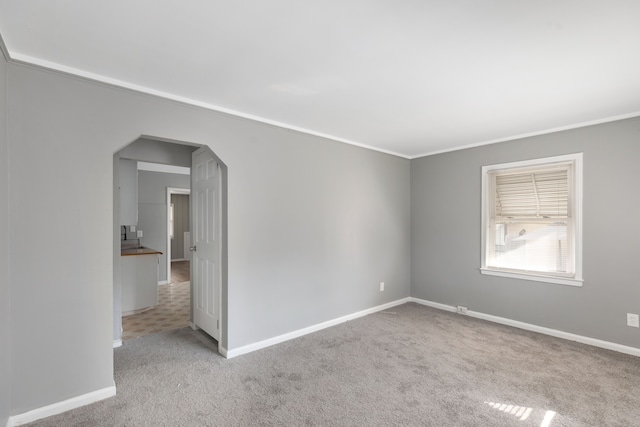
{"type": "Point", "coordinates": [531, 247]}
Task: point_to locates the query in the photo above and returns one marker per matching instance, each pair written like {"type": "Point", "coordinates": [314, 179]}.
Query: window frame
{"type": "Point", "coordinates": [575, 197]}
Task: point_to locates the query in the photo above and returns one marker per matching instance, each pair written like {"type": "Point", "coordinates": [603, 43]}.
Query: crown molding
{"type": "Point", "coordinates": [530, 134]}
{"type": "Point", "coordinates": [56, 68]}
{"type": "Point", "coordinates": [25, 60]}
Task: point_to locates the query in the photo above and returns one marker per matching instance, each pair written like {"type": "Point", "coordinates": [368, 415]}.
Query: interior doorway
{"type": "Point", "coordinates": [159, 200]}
{"type": "Point", "coordinates": [178, 235]}
{"type": "Point", "coordinates": [166, 152]}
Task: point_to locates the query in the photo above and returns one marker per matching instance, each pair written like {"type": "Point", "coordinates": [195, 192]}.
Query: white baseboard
{"type": "Point", "coordinates": [310, 329]}
{"type": "Point", "coordinates": [223, 351]}
{"type": "Point", "coordinates": [65, 405]}
{"type": "Point", "coordinates": [117, 343]}
{"type": "Point", "coordinates": [535, 328]}
{"type": "Point", "coordinates": [163, 282]}
{"type": "Point", "coordinates": [180, 259]}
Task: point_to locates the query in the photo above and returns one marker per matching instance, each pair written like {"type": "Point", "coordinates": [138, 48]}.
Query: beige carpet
{"type": "Point", "coordinates": [410, 365]}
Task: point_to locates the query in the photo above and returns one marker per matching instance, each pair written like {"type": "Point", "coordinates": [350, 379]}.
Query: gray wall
{"type": "Point", "coordinates": [180, 224]}
{"type": "Point", "coordinates": [445, 212]}
{"type": "Point", "coordinates": [313, 226]}
{"type": "Point", "coordinates": [152, 210]}
{"type": "Point", "coordinates": [5, 294]}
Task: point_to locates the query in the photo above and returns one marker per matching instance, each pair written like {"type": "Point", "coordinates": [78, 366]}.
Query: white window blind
{"type": "Point", "coordinates": [533, 194]}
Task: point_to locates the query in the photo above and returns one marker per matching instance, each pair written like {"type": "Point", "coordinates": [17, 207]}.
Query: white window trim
{"type": "Point", "coordinates": [577, 279]}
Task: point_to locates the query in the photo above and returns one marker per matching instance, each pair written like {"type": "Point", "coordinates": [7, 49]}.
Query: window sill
{"type": "Point", "coordinates": [534, 277]}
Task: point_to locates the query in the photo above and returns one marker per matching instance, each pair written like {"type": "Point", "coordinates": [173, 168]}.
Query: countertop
{"type": "Point", "coordinates": [126, 250]}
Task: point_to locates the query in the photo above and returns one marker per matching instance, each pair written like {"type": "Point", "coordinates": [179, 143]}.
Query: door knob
{"type": "Point", "coordinates": [192, 248]}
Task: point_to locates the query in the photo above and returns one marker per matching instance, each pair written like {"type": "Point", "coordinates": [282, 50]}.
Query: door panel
{"type": "Point", "coordinates": [205, 201]}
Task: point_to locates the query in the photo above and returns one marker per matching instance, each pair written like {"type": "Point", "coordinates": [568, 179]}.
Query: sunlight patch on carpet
{"type": "Point", "coordinates": [522, 412]}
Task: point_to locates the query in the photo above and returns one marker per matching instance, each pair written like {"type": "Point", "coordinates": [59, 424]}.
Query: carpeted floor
{"type": "Point", "coordinates": [410, 365]}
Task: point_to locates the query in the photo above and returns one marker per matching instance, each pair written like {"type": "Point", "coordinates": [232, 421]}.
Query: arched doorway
{"type": "Point", "coordinates": [163, 151]}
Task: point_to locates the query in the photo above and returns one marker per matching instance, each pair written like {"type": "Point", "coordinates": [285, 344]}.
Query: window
{"type": "Point", "coordinates": [532, 220]}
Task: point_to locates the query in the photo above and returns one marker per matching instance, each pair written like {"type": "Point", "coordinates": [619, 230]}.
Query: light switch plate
{"type": "Point", "coordinates": [139, 233]}
{"type": "Point", "coordinates": [132, 228]}
{"type": "Point", "coordinates": [633, 320]}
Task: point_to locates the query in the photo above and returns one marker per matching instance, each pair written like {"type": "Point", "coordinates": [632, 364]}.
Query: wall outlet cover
{"type": "Point", "coordinates": [381, 286]}
{"type": "Point", "coordinates": [462, 309]}
{"type": "Point", "coordinates": [633, 320]}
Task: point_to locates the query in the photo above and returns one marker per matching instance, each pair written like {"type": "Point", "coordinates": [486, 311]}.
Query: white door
{"type": "Point", "coordinates": [205, 235]}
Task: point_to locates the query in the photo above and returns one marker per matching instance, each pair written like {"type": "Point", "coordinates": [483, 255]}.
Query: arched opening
{"type": "Point", "coordinates": [208, 276]}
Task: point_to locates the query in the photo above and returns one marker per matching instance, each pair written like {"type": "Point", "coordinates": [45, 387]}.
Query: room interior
{"type": "Point", "coordinates": [354, 137]}
{"type": "Point", "coordinates": [173, 290]}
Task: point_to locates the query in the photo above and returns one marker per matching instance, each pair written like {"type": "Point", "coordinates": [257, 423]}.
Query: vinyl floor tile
{"type": "Point", "coordinates": [172, 312]}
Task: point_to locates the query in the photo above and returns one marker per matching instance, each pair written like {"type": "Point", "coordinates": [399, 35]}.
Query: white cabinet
{"type": "Point", "coordinates": [139, 282]}
{"type": "Point", "coordinates": [128, 192]}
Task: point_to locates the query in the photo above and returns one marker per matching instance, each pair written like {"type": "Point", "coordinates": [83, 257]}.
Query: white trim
{"type": "Point", "coordinates": [223, 351]}
{"type": "Point", "coordinates": [163, 282]}
{"type": "Point", "coordinates": [65, 405]}
{"type": "Point", "coordinates": [566, 158]}
{"type": "Point", "coordinates": [530, 134]}
{"type": "Point", "coordinates": [193, 326]}
{"type": "Point", "coordinates": [310, 329]}
{"type": "Point", "coordinates": [117, 343]}
{"type": "Point", "coordinates": [533, 277]}
{"type": "Point", "coordinates": [437, 305]}
{"type": "Point", "coordinates": [19, 58]}
{"type": "Point", "coordinates": [634, 351]}
{"type": "Point", "coordinates": [180, 259]}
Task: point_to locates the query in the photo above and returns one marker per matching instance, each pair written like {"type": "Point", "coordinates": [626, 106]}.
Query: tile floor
{"type": "Point", "coordinates": [180, 271]}
{"type": "Point", "coordinates": [172, 312]}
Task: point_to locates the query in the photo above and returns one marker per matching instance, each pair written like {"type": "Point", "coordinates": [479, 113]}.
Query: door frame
{"type": "Point", "coordinates": [170, 191]}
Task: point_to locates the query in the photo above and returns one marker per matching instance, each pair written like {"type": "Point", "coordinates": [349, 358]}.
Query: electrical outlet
{"type": "Point", "coordinates": [633, 320]}
{"type": "Point", "coordinates": [139, 233]}
{"type": "Point", "coordinates": [381, 286]}
{"type": "Point", "coordinates": [461, 309]}
{"type": "Point", "coordinates": [132, 228]}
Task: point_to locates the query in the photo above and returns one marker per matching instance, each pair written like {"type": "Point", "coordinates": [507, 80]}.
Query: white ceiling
{"type": "Point", "coordinates": [410, 77]}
